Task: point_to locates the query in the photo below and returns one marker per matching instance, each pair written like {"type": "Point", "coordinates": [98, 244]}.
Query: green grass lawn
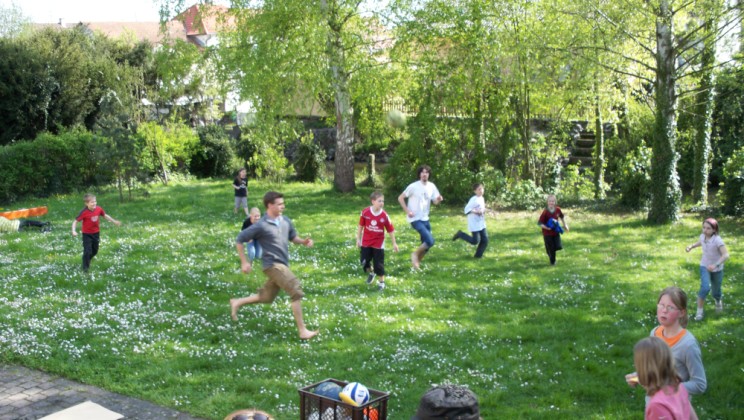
{"type": "Point", "coordinates": [152, 318]}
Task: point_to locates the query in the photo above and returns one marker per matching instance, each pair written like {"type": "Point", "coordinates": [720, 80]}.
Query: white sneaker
{"type": "Point", "coordinates": [380, 286]}
{"type": "Point", "coordinates": [719, 306]}
{"type": "Point", "coordinates": [699, 316]}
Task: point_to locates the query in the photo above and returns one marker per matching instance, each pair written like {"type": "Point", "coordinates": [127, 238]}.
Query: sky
{"type": "Point", "coordinates": [73, 11]}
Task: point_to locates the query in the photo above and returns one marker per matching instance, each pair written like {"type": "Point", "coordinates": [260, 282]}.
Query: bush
{"type": "Point", "coordinates": [52, 164]}
{"type": "Point", "coordinates": [733, 187]}
{"type": "Point", "coordinates": [267, 139]}
{"type": "Point", "coordinates": [215, 155]}
{"type": "Point", "coordinates": [166, 148]}
{"type": "Point", "coordinates": [524, 194]}
{"type": "Point", "coordinates": [634, 178]}
{"type": "Point", "coordinates": [576, 186]}
{"type": "Point", "coordinates": [310, 163]}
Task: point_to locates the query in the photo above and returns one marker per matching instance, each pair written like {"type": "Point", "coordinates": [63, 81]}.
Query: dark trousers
{"type": "Point", "coordinates": [90, 248]}
{"type": "Point", "coordinates": [25, 223]}
{"type": "Point", "coordinates": [552, 244]}
{"type": "Point", "coordinates": [479, 238]}
{"type": "Point", "coordinates": [373, 258]}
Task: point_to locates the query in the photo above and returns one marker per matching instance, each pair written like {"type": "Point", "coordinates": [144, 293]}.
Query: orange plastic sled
{"type": "Point", "coordinates": [23, 213]}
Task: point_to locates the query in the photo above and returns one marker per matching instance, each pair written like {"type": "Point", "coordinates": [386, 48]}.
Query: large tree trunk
{"type": "Point", "coordinates": [704, 117]}
{"type": "Point", "coordinates": [343, 173]}
{"type": "Point", "coordinates": [665, 192]}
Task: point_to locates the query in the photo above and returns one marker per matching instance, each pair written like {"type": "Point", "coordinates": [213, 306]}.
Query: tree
{"type": "Point", "coordinates": [288, 56]}
{"type": "Point", "coordinates": [13, 22]}
{"type": "Point", "coordinates": [704, 100]}
{"type": "Point", "coordinates": [54, 79]}
{"type": "Point", "coordinates": [664, 62]}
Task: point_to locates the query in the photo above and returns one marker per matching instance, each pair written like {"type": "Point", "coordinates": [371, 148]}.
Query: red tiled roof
{"type": "Point", "coordinates": [205, 19]}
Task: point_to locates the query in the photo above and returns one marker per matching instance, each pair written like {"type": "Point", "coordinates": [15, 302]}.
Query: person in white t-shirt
{"type": "Point", "coordinates": [476, 212]}
{"type": "Point", "coordinates": [711, 265]}
{"type": "Point", "coordinates": [420, 195]}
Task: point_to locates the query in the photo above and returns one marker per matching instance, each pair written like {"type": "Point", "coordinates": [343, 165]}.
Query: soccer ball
{"type": "Point", "coordinates": [355, 394]}
{"type": "Point", "coordinates": [395, 118]}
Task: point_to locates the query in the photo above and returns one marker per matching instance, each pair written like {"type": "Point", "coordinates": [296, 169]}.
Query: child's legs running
{"type": "Point", "coordinates": [716, 279]}
{"type": "Point", "coordinates": [378, 257]}
{"type": "Point", "coordinates": [424, 230]}
{"type": "Point", "coordinates": [704, 283]}
{"type": "Point", "coordinates": [483, 236]}
{"type": "Point", "coordinates": [550, 248]}
{"type": "Point", "coordinates": [473, 240]}
{"type": "Point", "coordinates": [90, 248]}
{"type": "Point", "coordinates": [365, 258]}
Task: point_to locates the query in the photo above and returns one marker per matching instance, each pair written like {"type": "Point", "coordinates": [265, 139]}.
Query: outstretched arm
{"type": "Point", "coordinates": [300, 241]}
{"type": "Point", "coordinates": [74, 225]}
{"type": "Point", "coordinates": [112, 220]}
{"type": "Point", "coordinates": [691, 247]}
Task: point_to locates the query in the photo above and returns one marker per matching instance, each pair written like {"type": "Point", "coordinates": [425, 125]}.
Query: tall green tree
{"type": "Point", "coordinates": [704, 100]}
{"type": "Point", "coordinates": [291, 56]}
{"type": "Point", "coordinates": [658, 53]}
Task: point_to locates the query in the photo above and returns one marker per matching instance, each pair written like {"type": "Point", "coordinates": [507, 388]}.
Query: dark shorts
{"type": "Point", "coordinates": [280, 277]}
{"type": "Point", "coordinates": [369, 255]}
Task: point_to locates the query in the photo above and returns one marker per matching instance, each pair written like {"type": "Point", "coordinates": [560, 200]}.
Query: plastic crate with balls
{"type": "Point", "coordinates": [332, 399]}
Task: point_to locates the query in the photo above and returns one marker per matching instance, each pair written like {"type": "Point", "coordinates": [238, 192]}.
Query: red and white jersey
{"type": "Point", "coordinates": [91, 219]}
{"type": "Point", "coordinates": [375, 225]}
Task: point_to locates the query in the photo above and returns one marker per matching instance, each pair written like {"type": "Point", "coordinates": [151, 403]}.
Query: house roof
{"type": "Point", "coordinates": [149, 31]}
{"type": "Point", "coordinates": [203, 19]}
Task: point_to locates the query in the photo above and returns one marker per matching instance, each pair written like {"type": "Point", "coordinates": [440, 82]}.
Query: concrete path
{"type": "Point", "coordinates": [27, 394]}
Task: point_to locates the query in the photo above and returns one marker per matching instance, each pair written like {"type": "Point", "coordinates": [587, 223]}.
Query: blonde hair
{"type": "Point", "coordinates": [88, 197]}
{"type": "Point", "coordinates": [255, 210]}
{"type": "Point", "coordinates": [654, 364]}
{"type": "Point", "coordinates": [679, 298]}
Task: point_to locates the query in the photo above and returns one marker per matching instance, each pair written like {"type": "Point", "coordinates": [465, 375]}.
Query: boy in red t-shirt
{"type": "Point", "coordinates": [549, 223]}
{"type": "Point", "coordinates": [90, 217]}
{"type": "Point", "coordinates": [373, 223]}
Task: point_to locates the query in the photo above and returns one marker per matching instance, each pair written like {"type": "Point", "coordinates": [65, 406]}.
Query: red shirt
{"type": "Point", "coordinates": [557, 214]}
{"type": "Point", "coordinates": [373, 235]}
{"type": "Point", "coordinates": [91, 219]}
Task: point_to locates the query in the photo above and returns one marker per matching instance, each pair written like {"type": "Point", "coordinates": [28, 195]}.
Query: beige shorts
{"type": "Point", "coordinates": [280, 277]}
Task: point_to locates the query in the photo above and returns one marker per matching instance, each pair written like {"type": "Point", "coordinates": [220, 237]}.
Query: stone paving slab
{"type": "Point", "coordinates": [27, 394]}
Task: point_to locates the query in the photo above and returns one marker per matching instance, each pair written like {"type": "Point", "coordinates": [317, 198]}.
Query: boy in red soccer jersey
{"type": "Point", "coordinates": [90, 218]}
{"type": "Point", "coordinates": [373, 223]}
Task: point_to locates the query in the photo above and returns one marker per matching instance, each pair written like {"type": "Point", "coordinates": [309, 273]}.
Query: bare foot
{"type": "Point", "coordinates": [307, 334]}
{"type": "Point", "coordinates": [233, 310]}
{"type": "Point", "coordinates": [414, 260]}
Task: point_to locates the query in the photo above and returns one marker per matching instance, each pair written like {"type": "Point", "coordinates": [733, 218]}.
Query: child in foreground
{"type": "Point", "coordinates": [373, 223]}
{"type": "Point", "coordinates": [476, 212]}
{"type": "Point", "coordinates": [671, 312]}
{"type": "Point", "coordinates": [90, 217]}
{"type": "Point", "coordinates": [655, 366]}
{"type": "Point", "coordinates": [711, 265]}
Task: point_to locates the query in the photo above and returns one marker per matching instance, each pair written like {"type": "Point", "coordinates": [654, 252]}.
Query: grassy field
{"type": "Point", "coordinates": [152, 320]}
